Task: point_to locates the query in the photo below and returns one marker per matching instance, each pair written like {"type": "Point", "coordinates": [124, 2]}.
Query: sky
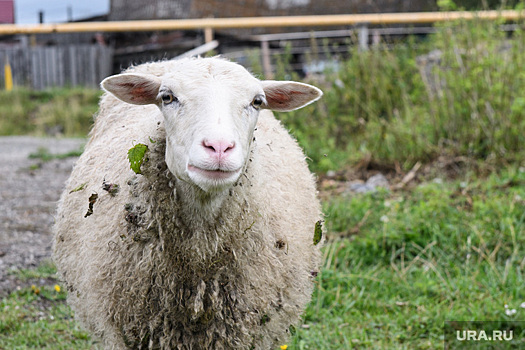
{"type": "Point", "coordinates": [26, 11]}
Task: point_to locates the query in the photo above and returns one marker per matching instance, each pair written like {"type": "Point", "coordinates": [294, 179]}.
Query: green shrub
{"type": "Point", "coordinates": [379, 105]}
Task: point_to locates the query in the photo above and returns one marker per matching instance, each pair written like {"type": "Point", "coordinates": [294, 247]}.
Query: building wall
{"type": "Point", "coordinates": [121, 10]}
{"type": "Point", "coordinates": [176, 9]}
{"type": "Point", "coordinates": [7, 12]}
{"type": "Point", "coordinates": [248, 8]}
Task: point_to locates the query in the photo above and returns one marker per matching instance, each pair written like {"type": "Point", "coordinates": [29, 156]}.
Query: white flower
{"type": "Point", "coordinates": [522, 305]}
{"type": "Point", "coordinates": [384, 218]}
{"type": "Point", "coordinates": [510, 312]}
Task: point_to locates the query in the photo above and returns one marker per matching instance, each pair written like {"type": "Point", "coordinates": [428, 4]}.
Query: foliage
{"type": "Point", "coordinates": [45, 270]}
{"type": "Point", "coordinates": [318, 232]}
{"type": "Point", "coordinates": [470, 5]}
{"type": "Point", "coordinates": [396, 105]}
{"type": "Point", "coordinates": [481, 114]}
{"type": "Point", "coordinates": [136, 157]}
{"type": "Point", "coordinates": [66, 112]}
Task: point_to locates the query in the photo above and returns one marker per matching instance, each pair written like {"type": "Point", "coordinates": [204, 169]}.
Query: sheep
{"type": "Point", "coordinates": [209, 245]}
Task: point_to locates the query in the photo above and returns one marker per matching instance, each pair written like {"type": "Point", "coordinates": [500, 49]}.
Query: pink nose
{"type": "Point", "coordinates": [218, 148]}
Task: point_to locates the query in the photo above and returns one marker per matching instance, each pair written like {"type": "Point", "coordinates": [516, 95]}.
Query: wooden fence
{"type": "Point", "coordinates": [47, 66]}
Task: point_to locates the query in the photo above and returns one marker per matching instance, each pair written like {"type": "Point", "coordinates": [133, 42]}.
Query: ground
{"type": "Point", "coordinates": [29, 190]}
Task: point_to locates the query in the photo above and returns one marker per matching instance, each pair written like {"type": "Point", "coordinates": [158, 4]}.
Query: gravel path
{"type": "Point", "coordinates": [29, 190]}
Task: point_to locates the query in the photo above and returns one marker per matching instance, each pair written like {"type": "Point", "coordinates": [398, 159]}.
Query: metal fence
{"type": "Point", "coordinates": [48, 66]}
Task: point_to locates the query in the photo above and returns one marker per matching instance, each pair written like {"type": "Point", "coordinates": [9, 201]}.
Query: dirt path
{"type": "Point", "coordinates": [29, 189]}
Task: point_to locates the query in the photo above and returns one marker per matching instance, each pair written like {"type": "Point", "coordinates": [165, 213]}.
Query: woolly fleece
{"type": "Point", "coordinates": [144, 273]}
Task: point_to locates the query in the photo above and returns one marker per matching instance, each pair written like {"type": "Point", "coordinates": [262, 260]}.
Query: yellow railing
{"type": "Point", "coordinates": [211, 24]}
{"type": "Point", "coordinates": [251, 22]}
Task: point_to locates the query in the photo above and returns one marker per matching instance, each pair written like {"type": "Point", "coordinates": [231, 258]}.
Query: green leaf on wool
{"type": "Point", "coordinates": [79, 187]}
{"type": "Point", "coordinates": [318, 232]}
{"type": "Point", "coordinates": [136, 157]}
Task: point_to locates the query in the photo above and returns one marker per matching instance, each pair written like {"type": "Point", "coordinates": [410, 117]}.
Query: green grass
{"type": "Point", "coordinates": [37, 317]}
{"type": "Point", "coordinates": [67, 112]}
{"type": "Point", "coordinates": [451, 251]}
{"type": "Point", "coordinates": [25, 324]}
{"type": "Point", "coordinates": [440, 252]}
{"type": "Point", "coordinates": [45, 155]}
{"type": "Point", "coordinates": [46, 270]}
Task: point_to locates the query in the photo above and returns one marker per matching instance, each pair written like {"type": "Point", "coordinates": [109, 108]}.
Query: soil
{"type": "Point", "coordinates": [29, 191]}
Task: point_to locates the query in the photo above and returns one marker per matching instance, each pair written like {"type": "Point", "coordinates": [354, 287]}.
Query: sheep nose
{"type": "Point", "coordinates": [218, 148]}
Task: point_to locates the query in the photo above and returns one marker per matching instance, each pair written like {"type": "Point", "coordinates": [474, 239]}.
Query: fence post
{"type": "Point", "coordinates": [208, 35]}
{"type": "Point", "coordinates": [376, 38]}
{"type": "Point", "coordinates": [363, 36]}
{"type": "Point", "coordinates": [8, 75]}
{"type": "Point", "coordinates": [267, 65]}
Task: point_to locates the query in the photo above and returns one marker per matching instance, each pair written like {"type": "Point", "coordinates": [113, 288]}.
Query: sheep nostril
{"type": "Point", "coordinates": [208, 146]}
{"type": "Point", "coordinates": [218, 147]}
{"type": "Point", "coordinates": [229, 147]}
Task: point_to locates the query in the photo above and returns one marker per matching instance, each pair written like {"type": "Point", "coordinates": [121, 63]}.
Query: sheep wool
{"type": "Point", "coordinates": [153, 261]}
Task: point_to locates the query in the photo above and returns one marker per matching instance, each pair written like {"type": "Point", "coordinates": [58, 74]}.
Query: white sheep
{"type": "Point", "coordinates": [211, 246]}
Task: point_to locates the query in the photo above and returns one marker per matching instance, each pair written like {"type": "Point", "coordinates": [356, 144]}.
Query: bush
{"type": "Point", "coordinates": [382, 105]}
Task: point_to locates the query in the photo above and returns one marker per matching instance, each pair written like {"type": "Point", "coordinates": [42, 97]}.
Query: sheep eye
{"type": "Point", "coordinates": [257, 102]}
{"type": "Point", "coordinates": [168, 98]}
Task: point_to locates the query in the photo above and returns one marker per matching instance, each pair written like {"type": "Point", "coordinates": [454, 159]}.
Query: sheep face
{"type": "Point", "coordinates": [210, 107]}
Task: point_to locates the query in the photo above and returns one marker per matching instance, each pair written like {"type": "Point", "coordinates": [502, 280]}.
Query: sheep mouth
{"type": "Point", "coordinates": [214, 174]}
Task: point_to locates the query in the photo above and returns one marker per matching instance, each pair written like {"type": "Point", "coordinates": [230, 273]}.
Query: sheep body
{"type": "Point", "coordinates": [147, 270]}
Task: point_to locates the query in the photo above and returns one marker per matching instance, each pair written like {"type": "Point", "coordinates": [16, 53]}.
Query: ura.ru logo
{"type": "Point", "coordinates": [477, 335]}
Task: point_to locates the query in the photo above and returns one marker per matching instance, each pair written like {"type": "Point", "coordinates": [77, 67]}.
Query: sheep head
{"type": "Point", "coordinates": [210, 107]}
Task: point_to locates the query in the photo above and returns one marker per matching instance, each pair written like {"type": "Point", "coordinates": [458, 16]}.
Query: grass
{"type": "Point", "coordinates": [45, 155]}
{"type": "Point", "coordinates": [37, 317]}
{"type": "Point", "coordinates": [450, 251]}
{"type": "Point", "coordinates": [67, 112]}
{"type": "Point", "coordinates": [46, 270]}
{"type": "Point", "coordinates": [441, 251]}
{"type": "Point", "coordinates": [25, 324]}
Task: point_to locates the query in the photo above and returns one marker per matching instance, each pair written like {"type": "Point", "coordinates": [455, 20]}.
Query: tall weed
{"type": "Point", "coordinates": [67, 112]}
{"type": "Point", "coordinates": [480, 107]}
{"type": "Point", "coordinates": [386, 106]}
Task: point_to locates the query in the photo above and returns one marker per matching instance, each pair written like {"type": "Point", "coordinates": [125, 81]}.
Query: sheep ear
{"type": "Point", "coordinates": [284, 96]}
{"type": "Point", "coordinates": [138, 89]}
